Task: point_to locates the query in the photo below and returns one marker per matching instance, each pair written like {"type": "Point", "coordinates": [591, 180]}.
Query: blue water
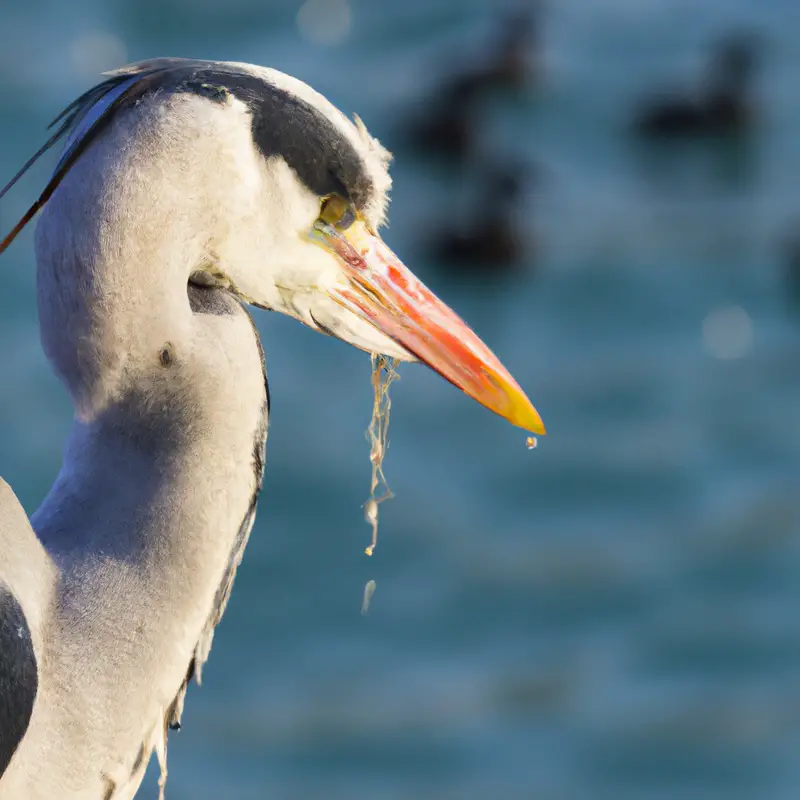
{"type": "Point", "coordinates": [612, 615]}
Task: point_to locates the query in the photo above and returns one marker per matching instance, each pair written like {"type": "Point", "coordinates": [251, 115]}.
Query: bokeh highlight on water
{"type": "Point", "coordinates": [613, 614]}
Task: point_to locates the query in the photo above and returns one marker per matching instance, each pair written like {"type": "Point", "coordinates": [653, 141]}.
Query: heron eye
{"type": "Point", "coordinates": [338, 212]}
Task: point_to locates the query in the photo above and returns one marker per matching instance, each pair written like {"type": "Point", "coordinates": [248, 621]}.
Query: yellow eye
{"type": "Point", "coordinates": [338, 212]}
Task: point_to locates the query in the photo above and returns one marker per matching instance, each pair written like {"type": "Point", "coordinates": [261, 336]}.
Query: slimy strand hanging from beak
{"type": "Point", "coordinates": [383, 373]}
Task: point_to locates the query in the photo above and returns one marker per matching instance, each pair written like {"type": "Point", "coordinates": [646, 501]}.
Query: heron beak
{"type": "Point", "coordinates": [380, 289]}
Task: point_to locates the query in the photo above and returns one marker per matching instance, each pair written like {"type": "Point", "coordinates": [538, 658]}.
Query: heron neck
{"type": "Point", "coordinates": [147, 522]}
{"type": "Point", "coordinates": [178, 443]}
{"type": "Point", "coordinates": [168, 470]}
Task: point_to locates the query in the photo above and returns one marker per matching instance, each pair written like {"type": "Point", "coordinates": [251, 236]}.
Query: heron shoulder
{"type": "Point", "coordinates": [13, 519]}
{"type": "Point", "coordinates": [19, 680]}
{"type": "Point", "coordinates": [27, 571]}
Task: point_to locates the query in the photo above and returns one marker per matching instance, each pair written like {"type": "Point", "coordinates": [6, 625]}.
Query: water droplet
{"type": "Point", "coordinates": [531, 442]}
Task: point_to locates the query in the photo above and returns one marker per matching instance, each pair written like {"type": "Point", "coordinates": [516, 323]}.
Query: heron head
{"type": "Point", "coordinates": [323, 196]}
{"type": "Point", "coordinates": [286, 196]}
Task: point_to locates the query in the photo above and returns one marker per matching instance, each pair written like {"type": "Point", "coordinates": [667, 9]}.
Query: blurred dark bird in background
{"type": "Point", "coordinates": [791, 267]}
{"type": "Point", "coordinates": [513, 59]}
{"type": "Point", "coordinates": [723, 105]}
{"type": "Point", "coordinates": [489, 239]}
{"type": "Point", "coordinates": [449, 123]}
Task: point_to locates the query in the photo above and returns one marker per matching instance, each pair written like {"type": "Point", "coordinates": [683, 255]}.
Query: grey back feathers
{"type": "Point", "coordinates": [26, 580]}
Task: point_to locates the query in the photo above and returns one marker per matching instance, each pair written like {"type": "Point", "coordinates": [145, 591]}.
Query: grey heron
{"type": "Point", "coordinates": [186, 190]}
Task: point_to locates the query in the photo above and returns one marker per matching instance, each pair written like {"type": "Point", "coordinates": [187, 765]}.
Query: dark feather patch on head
{"type": "Point", "coordinates": [283, 125]}
{"type": "Point", "coordinates": [321, 155]}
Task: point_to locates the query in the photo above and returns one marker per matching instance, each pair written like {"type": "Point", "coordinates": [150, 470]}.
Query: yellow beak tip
{"type": "Point", "coordinates": [525, 416]}
{"type": "Point", "coordinates": [535, 425]}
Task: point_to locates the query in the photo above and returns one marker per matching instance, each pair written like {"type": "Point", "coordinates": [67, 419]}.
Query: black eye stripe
{"type": "Point", "coordinates": [320, 154]}
{"type": "Point", "coordinates": [336, 181]}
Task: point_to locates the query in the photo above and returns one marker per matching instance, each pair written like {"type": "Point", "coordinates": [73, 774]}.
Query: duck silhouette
{"type": "Point", "coordinates": [512, 60]}
{"type": "Point", "coordinates": [791, 268]}
{"type": "Point", "coordinates": [450, 122]}
{"type": "Point", "coordinates": [489, 239]}
{"type": "Point", "coordinates": [450, 125]}
{"type": "Point", "coordinates": [723, 104]}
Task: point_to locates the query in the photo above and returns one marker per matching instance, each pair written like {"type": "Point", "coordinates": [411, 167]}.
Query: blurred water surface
{"type": "Point", "coordinates": [611, 615]}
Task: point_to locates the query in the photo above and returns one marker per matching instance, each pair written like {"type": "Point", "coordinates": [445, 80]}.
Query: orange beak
{"type": "Point", "coordinates": [381, 290]}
